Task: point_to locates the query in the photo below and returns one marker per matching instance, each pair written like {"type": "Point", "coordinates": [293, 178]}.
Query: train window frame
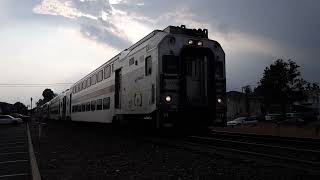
{"type": "Point", "coordinates": [107, 71]}
{"type": "Point", "coordinates": [84, 84]}
{"type": "Point", "coordinates": [94, 79]}
{"type": "Point", "coordinates": [99, 104]}
{"type": "Point", "coordinates": [88, 106]}
{"type": "Point", "coordinates": [106, 103]}
{"type": "Point", "coordinates": [93, 105]}
{"type": "Point", "coordinates": [148, 65]}
{"type": "Point", "coordinates": [166, 60]}
{"type": "Point", "coordinates": [83, 107]}
{"type": "Point", "coordinates": [88, 82]}
{"type": "Point", "coordinates": [219, 66]}
{"type": "Point", "coordinates": [100, 76]}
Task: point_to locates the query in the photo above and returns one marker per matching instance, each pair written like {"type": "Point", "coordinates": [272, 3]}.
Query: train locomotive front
{"type": "Point", "coordinates": [191, 79]}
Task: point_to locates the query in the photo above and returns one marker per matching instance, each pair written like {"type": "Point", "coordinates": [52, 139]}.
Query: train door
{"type": "Point", "coordinates": [117, 95]}
{"type": "Point", "coordinates": [196, 69]}
{"type": "Point", "coordinates": [70, 101]}
{"type": "Point", "coordinates": [64, 107]}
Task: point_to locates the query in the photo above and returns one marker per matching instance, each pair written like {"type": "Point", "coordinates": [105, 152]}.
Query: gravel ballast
{"type": "Point", "coordinates": [73, 150]}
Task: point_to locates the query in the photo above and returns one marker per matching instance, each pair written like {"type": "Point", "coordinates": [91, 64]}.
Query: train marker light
{"type": "Point", "coordinates": [200, 43]}
{"type": "Point", "coordinates": [219, 100]}
{"type": "Point", "coordinates": [168, 99]}
{"type": "Point", "coordinates": [190, 42]}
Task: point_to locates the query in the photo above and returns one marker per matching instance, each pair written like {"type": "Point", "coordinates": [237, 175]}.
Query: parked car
{"type": "Point", "coordinates": [6, 119]}
{"type": "Point", "coordinates": [243, 121]}
{"type": "Point", "coordinates": [293, 118]}
{"type": "Point", "coordinates": [21, 116]}
{"type": "Point", "coordinates": [274, 117]}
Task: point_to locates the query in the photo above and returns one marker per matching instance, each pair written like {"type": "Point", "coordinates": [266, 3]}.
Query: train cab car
{"type": "Point", "coordinates": [170, 77]}
{"type": "Point", "coordinates": [192, 78]}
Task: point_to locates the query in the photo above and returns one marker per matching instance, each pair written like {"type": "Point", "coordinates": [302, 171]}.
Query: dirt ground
{"type": "Point", "coordinates": [311, 130]}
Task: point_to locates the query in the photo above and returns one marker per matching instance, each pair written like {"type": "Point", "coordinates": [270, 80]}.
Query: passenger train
{"type": "Point", "coordinates": [170, 77]}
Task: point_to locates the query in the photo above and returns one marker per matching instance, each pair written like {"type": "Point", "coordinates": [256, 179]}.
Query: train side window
{"type": "Point", "coordinates": [83, 107]}
{"type": "Point", "coordinates": [88, 106]}
{"type": "Point", "coordinates": [170, 64]}
{"type": "Point", "coordinates": [94, 79]}
{"type": "Point", "coordinates": [79, 108]}
{"type": "Point", "coordinates": [148, 66]}
{"type": "Point", "coordinates": [100, 75]}
{"type": "Point", "coordinates": [93, 105]}
{"type": "Point", "coordinates": [88, 82]}
{"type": "Point", "coordinates": [99, 104]}
{"type": "Point", "coordinates": [106, 103]}
{"type": "Point", "coordinates": [131, 61]}
{"type": "Point", "coordinates": [107, 71]}
{"type": "Point", "coordinates": [84, 84]}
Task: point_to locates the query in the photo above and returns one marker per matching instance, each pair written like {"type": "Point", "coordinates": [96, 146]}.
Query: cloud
{"type": "Point", "coordinates": [99, 20]}
{"type": "Point", "coordinates": [60, 8]}
{"type": "Point", "coordinates": [232, 41]}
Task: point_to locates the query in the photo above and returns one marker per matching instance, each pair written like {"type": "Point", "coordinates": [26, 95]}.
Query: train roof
{"type": "Point", "coordinates": [201, 33]}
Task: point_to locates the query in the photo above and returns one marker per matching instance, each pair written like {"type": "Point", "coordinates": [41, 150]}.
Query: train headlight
{"type": "Point", "coordinates": [190, 42]}
{"type": "Point", "coordinates": [168, 99]}
{"type": "Point", "coordinates": [199, 43]}
{"type": "Point", "coordinates": [219, 100]}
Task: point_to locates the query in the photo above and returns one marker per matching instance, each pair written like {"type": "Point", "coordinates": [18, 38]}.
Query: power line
{"type": "Point", "coordinates": [34, 84]}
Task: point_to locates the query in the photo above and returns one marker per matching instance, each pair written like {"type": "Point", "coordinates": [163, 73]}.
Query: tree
{"type": "Point", "coordinates": [40, 102]}
{"type": "Point", "coordinates": [48, 95]}
{"type": "Point", "coordinates": [282, 84]}
{"type": "Point", "coordinates": [247, 89]}
{"type": "Point", "coordinates": [19, 107]}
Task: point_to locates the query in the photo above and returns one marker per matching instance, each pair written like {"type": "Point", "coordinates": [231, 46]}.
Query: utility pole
{"type": "Point", "coordinates": [31, 106]}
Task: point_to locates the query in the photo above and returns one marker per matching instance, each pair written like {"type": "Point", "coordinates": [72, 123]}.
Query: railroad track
{"type": "Point", "coordinates": [308, 143]}
{"type": "Point", "coordinates": [296, 153]}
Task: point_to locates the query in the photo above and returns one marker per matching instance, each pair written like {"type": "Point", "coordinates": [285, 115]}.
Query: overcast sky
{"type": "Point", "coordinates": [60, 41]}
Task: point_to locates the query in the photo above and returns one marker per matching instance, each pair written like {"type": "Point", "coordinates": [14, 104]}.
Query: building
{"type": "Point", "coordinates": [241, 104]}
{"type": "Point", "coordinates": [310, 106]}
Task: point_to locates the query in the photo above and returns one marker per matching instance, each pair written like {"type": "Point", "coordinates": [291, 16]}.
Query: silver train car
{"type": "Point", "coordinates": [170, 77]}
